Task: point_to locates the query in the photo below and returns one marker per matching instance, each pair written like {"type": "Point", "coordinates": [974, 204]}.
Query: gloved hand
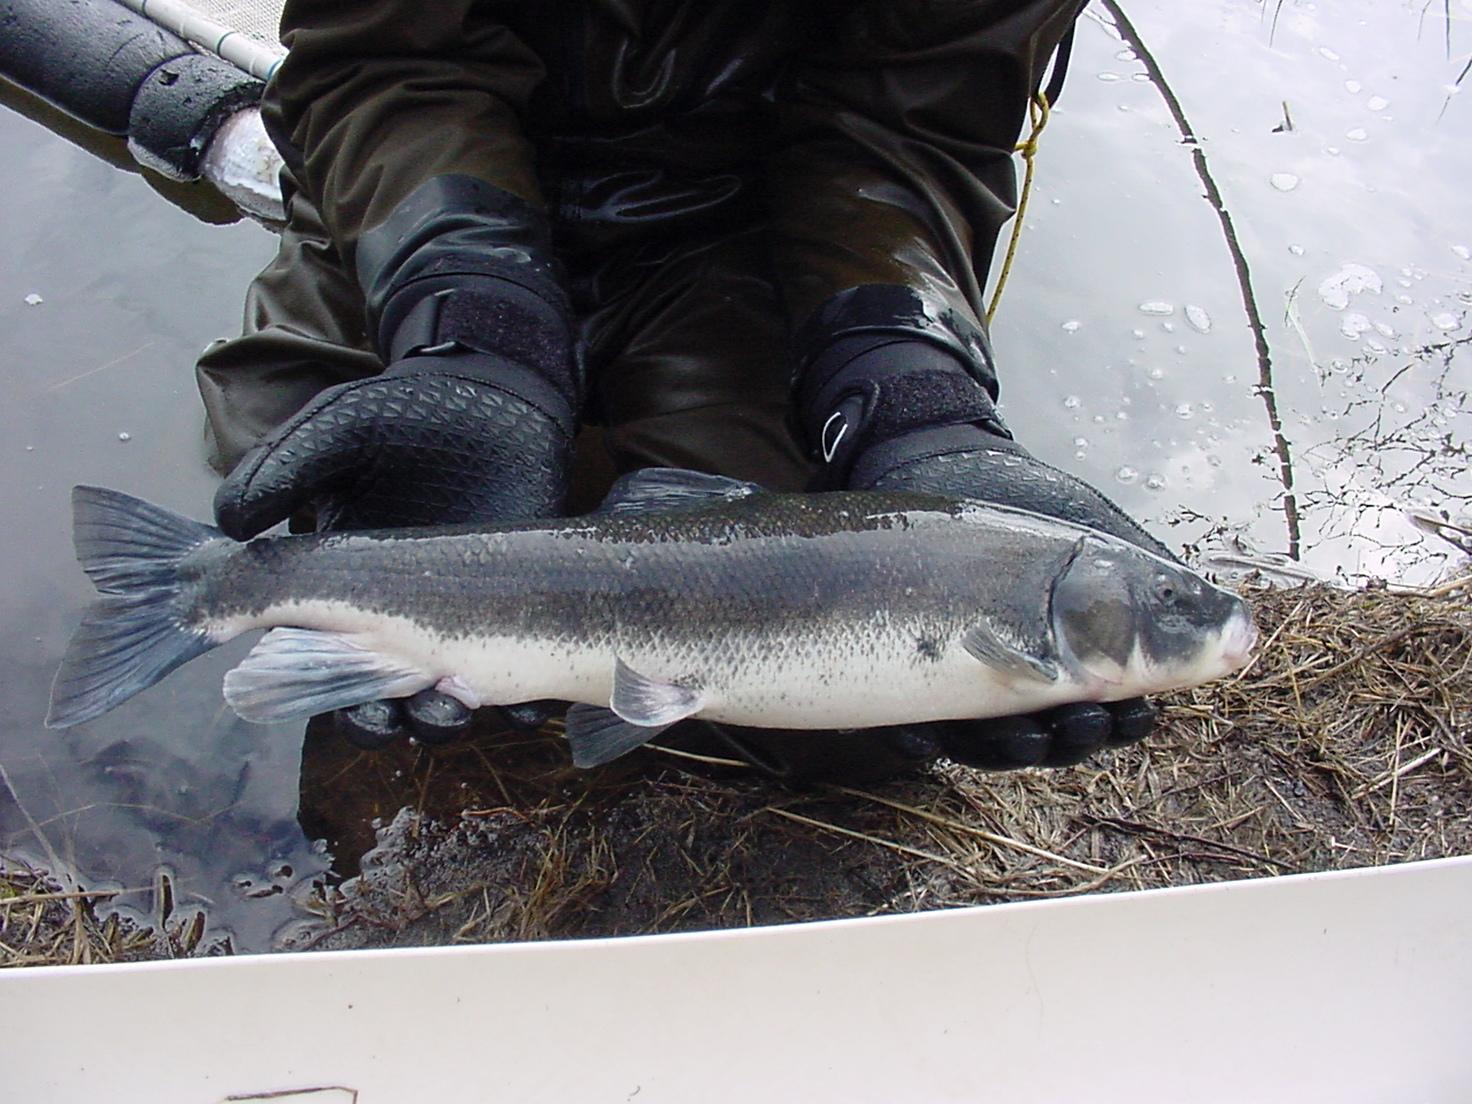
{"type": "Point", "coordinates": [899, 413]}
{"type": "Point", "coordinates": [970, 462]}
{"type": "Point", "coordinates": [473, 419]}
{"type": "Point", "coordinates": [438, 438]}
{"type": "Point", "coordinates": [906, 415]}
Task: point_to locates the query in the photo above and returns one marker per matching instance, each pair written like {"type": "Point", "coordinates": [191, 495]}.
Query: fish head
{"type": "Point", "coordinates": [1132, 623]}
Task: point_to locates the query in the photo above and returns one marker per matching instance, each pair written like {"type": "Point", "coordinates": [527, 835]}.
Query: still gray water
{"type": "Point", "coordinates": [1338, 141]}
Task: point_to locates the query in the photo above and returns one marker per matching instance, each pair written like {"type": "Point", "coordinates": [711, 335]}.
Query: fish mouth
{"type": "Point", "coordinates": [1239, 640]}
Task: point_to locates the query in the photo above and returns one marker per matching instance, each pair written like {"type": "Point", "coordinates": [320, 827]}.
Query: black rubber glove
{"type": "Point", "coordinates": [473, 420]}
{"type": "Point", "coordinates": [899, 414]}
{"type": "Point", "coordinates": [1058, 738]}
{"type": "Point", "coordinates": [436, 439]}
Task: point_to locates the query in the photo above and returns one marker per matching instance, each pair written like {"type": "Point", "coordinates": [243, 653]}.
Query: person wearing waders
{"type": "Point", "coordinates": [745, 238]}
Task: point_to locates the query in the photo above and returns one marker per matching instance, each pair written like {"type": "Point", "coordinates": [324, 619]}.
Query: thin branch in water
{"type": "Point", "coordinates": [1239, 262]}
{"type": "Point", "coordinates": [1277, 11]}
{"type": "Point", "coordinates": [1456, 87]}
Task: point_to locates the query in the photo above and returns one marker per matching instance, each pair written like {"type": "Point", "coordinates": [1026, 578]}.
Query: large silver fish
{"type": "Point", "coordinates": [687, 595]}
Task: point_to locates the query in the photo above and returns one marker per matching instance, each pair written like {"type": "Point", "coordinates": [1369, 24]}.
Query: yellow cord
{"type": "Point", "coordinates": [1038, 113]}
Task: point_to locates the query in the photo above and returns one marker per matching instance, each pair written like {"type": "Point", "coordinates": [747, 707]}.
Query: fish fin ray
{"type": "Point", "coordinates": [647, 702]}
{"type": "Point", "coordinates": [125, 644]}
{"type": "Point", "coordinates": [982, 643]}
{"type": "Point", "coordinates": [597, 735]}
{"type": "Point", "coordinates": [124, 543]}
{"type": "Point", "coordinates": [672, 489]}
{"type": "Point", "coordinates": [295, 673]}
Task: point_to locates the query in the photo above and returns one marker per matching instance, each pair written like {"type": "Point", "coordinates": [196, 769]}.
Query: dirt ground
{"type": "Point", "coordinates": [1347, 743]}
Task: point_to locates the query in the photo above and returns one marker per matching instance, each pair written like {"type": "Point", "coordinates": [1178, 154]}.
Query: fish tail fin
{"type": "Point", "coordinates": [139, 630]}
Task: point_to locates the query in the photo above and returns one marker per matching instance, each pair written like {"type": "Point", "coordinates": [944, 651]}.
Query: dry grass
{"type": "Point", "coordinates": [43, 924]}
{"type": "Point", "coordinates": [1345, 744]}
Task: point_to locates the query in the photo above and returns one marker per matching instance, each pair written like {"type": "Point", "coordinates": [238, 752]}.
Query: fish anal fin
{"type": "Point", "coordinates": [597, 735]}
{"type": "Point", "coordinates": [983, 643]}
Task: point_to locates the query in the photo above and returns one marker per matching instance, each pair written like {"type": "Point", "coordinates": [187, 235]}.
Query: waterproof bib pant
{"type": "Point", "coordinates": [730, 188]}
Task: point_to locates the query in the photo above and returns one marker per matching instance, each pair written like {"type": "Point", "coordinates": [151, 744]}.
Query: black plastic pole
{"type": "Point", "coordinates": [122, 74]}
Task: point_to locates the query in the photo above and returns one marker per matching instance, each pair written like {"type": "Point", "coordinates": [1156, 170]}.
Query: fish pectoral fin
{"type": "Point", "coordinates": [646, 701]}
{"type": "Point", "coordinates": [1107, 672]}
{"type": "Point", "coordinates": [983, 643]}
{"type": "Point", "coordinates": [597, 735]}
{"type": "Point", "coordinates": [295, 673]}
{"type": "Point", "coordinates": [672, 489]}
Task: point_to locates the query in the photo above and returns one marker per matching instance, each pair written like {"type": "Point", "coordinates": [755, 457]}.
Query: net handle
{"type": "Point", "coordinates": [256, 58]}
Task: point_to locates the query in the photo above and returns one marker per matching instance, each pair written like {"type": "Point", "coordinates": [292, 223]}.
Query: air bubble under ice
{"type": "Point", "coordinates": [1335, 289]}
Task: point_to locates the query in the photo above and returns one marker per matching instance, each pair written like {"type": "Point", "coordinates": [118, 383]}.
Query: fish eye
{"type": "Point", "coordinates": [1166, 590]}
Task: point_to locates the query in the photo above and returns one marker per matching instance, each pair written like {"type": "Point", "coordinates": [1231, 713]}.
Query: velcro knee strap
{"type": "Point", "coordinates": [485, 315]}
{"type": "Point", "coordinates": [870, 389]}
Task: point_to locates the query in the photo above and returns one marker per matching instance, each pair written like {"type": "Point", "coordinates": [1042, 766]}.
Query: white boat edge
{"type": "Point", "coordinates": [1343, 986]}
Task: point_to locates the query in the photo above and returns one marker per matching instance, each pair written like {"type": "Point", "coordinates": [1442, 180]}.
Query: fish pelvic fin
{"type": "Point", "coordinates": [982, 643]}
{"type": "Point", "coordinates": [140, 629]}
{"type": "Point", "coordinates": [641, 708]}
{"type": "Point", "coordinates": [646, 701]}
{"type": "Point", "coordinates": [292, 674]}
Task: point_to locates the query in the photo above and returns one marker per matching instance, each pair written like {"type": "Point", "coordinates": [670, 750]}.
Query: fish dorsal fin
{"type": "Point", "coordinates": [983, 643]}
{"type": "Point", "coordinates": [672, 489]}
{"type": "Point", "coordinates": [641, 708]}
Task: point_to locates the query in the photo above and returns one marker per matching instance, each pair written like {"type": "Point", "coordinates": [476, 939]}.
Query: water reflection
{"type": "Point", "coordinates": [1256, 464]}
{"type": "Point", "coordinates": [1124, 348]}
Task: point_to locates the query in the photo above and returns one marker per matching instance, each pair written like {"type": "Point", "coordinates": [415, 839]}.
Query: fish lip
{"type": "Point", "coordinates": [1240, 640]}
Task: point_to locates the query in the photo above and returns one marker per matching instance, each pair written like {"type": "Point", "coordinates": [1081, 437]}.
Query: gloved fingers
{"type": "Point", "coordinates": [799, 758]}
{"type": "Point", "coordinates": [436, 718]}
{"type": "Point", "coordinates": [997, 743]}
{"type": "Point", "coordinates": [432, 717]}
{"type": "Point", "coordinates": [911, 743]}
{"type": "Point", "coordinates": [373, 725]}
{"type": "Point", "coordinates": [317, 451]}
{"type": "Point", "coordinates": [1133, 719]}
{"type": "Point", "coordinates": [1058, 737]}
{"type": "Point", "coordinates": [1078, 731]}
{"type": "Point", "coordinates": [968, 462]}
{"type": "Point", "coordinates": [531, 715]}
